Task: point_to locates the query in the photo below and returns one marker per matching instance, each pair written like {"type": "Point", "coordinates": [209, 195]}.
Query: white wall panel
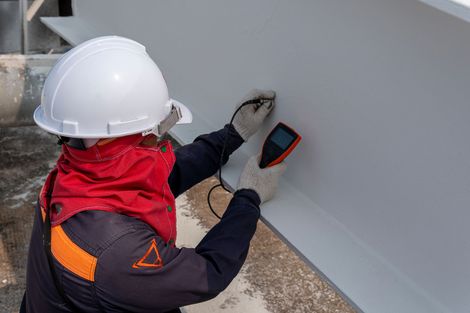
{"type": "Point", "coordinates": [377, 195]}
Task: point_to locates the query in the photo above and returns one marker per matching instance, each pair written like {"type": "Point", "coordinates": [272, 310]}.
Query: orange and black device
{"type": "Point", "coordinates": [278, 145]}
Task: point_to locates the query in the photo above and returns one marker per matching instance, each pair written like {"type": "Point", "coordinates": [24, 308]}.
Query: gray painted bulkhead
{"type": "Point", "coordinates": [38, 39]}
{"type": "Point", "coordinates": [377, 195]}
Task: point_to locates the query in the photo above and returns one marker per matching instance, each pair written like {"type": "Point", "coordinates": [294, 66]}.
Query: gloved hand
{"type": "Point", "coordinates": [262, 180]}
{"type": "Point", "coordinates": [249, 119]}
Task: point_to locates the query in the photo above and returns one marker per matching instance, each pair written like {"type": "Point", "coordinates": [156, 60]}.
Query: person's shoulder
{"type": "Point", "coordinates": [96, 231]}
{"type": "Point", "coordinates": [119, 241]}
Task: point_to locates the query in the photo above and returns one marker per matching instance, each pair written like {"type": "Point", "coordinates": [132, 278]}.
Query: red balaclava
{"type": "Point", "coordinates": [128, 175]}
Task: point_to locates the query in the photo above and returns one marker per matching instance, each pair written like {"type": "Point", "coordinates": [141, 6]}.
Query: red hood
{"type": "Point", "coordinates": [127, 176]}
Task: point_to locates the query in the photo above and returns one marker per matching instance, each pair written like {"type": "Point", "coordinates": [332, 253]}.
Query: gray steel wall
{"type": "Point", "coordinates": [10, 31]}
{"type": "Point", "coordinates": [40, 38]}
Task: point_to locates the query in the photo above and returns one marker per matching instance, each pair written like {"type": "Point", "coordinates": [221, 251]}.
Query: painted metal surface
{"type": "Point", "coordinates": [376, 196]}
{"type": "Point", "coordinates": [458, 8]}
{"type": "Point", "coordinates": [73, 29]}
{"type": "Point", "coordinates": [10, 37]}
{"type": "Point", "coordinates": [13, 28]}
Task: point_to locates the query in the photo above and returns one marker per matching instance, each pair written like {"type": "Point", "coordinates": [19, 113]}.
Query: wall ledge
{"type": "Point", "coordinates": [458, 8]}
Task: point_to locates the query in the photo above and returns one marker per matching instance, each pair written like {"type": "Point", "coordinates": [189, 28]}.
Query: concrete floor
{"type": "Point", "coordinates": [273, 279]}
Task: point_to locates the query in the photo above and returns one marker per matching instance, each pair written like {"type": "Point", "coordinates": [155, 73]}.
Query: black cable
{"type": "Point", "coordinates": [221, 183]}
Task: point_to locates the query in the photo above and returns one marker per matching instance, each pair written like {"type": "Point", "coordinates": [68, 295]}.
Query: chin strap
{"type": "Point", "coordinates": [165, 125]}
{"type": "Point", "coordinates": [75, 143]}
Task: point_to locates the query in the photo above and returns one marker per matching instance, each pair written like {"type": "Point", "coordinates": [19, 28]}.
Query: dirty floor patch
{"type": "Point", "coordinates": [26, 156]}
{"type": "Point", "coordinates": [234, 299]}
{"type": "Point", "coordinates": [286, 283]}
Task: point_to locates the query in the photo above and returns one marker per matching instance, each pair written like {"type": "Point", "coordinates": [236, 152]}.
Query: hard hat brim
{"type": "Point", "coordinates": [39, 118]}
{"type": "Point", "coordinates": [187, 116]}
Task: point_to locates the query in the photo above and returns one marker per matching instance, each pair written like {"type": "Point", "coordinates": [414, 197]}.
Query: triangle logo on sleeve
{"type": "Point", "coordinates": [151, 258]}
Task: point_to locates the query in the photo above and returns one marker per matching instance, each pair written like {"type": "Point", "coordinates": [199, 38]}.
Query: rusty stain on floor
{"type": "Point", "coordinates": [273, 275]}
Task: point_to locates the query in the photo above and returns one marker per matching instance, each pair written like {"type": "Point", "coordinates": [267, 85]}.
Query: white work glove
{"type": "Point", "coordinates": [249, 119]}
{"type": "Point", "coordinates": [263, 181]}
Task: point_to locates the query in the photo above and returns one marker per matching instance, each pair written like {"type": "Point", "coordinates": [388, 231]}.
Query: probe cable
{"type": "Point", "coordinates": [221, 183]}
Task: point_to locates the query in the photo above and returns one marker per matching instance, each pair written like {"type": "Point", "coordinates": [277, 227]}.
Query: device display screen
{"type": "Point", "coordinates": [282, 138]}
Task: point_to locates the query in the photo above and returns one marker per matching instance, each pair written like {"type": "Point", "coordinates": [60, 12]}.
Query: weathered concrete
{"type": "Point", "coordinates": [21, 81]}
{"type": "Point", "coordinates": [26, 156]}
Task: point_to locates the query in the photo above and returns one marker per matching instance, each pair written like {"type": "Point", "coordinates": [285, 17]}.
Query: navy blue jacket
{"type": "Point", "coordinates": [133, 269]}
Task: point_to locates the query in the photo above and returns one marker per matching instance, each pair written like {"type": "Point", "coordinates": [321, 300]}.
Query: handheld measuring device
{"type": "Point", "coordinates": [280, 142]}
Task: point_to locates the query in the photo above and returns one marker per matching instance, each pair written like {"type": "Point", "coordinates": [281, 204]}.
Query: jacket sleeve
{"type": "Point", "coordinates": [200, 159]}
{"type": "Point", "coordinates": [125, 279]}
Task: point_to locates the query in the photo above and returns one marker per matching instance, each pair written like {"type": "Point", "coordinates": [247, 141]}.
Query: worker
{"type": "Point", "coordinates": [104, 231]}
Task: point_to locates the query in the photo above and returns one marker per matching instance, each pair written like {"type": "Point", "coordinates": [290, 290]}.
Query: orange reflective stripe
{"type": "Point", "coordinates": [71, 256]}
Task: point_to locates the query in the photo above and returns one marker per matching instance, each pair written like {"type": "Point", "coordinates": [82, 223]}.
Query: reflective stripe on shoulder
{"type": "Point", "coordinates": [70, 255]}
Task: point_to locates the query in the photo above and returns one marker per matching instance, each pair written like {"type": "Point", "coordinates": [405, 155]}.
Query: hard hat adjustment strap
{"type": "Point", "coordinates": [165, 125]}
{"type": "Point", "coordinates": [75, 143]}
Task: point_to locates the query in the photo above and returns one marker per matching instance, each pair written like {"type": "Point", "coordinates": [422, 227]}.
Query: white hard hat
{"type": "Point", "coordinates": [107, 87]}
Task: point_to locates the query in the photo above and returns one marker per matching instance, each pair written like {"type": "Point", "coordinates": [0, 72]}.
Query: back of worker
{"type": "Point", "coordinates": [105, 225]}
